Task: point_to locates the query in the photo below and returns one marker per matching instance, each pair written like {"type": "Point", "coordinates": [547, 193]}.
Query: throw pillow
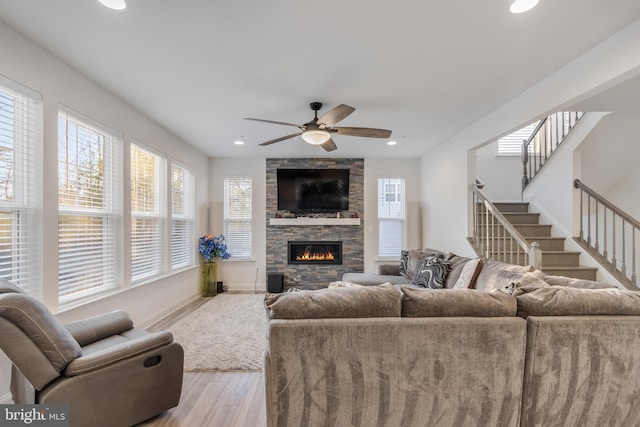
{"type": "Point", "coordinates": [469, 274]}
{"type": "Point", "coordinates": [417, 255]}
{"type": "Point", "coordinates": [404, 259]}
{"type": "Point", "coordinates": [432, 272]}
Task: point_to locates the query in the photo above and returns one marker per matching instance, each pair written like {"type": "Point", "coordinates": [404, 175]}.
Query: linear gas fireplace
{"type": "Point", "coordinates": [321, 252]}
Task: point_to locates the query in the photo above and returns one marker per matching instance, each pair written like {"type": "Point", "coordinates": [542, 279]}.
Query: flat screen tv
{"type": "Point", "coordinates": [313, 190]}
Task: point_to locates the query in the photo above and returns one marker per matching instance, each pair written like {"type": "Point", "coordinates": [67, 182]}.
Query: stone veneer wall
{"type": "Point", "coordinates": [352, 236]}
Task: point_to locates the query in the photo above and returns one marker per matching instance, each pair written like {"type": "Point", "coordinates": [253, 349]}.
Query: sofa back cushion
{"type": "Point", "coordinates": [363, 301]}
{"type": "Point", "coordinates": [456, 303]}
{"type": "Point", "coordinates": [567, 301]}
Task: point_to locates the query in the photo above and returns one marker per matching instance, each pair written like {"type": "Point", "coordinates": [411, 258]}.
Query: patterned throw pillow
{"type": "Point", "coordinates": [432, 272]}
{"type": "Point", "coordinates": [404, 259]}
{"type": "Point", "coordinates": [469, 274]}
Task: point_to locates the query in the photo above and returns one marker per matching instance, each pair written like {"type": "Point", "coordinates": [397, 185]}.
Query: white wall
{"type": "Point", "coordinates": [502, 175]}
{"type": "Point", "coordinates": [33, 67]}
{"type": "Point", "coordinates": [610, 158]}
{"type": "Point", "coordinates": [240, 275]}
{"type": "Point", "coordinates": [375, 168]}
{"type": "Point", "coordinates": [445, 213]}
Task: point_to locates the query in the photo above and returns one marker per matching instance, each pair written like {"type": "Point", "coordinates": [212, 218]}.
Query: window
{"type": "Point", "coordinates": [89, 212]}
{"type": "Point", "coordinates": [237, 216]}
{"type": "Point", "coordinates": [182, 240]}
{"type": "Point", "coordinates": [147, 178]}
{"type": "Point", "coordinates": [391, 213]}
{"type": "Point", "coordinates": [20, 185]}
{"type": "Point", "coordinates": [511, 145]}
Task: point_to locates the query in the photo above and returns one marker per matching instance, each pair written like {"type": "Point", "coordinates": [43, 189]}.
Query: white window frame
{"type": "Point", "coordinates": [86, 271]}
{"type": "Point", "coordinates": [21, 140]}
{"type": "Point", "coordinates": [391, 215]}
{"type": "Point", "coordinates": [239, 249]}
{"type": "Point", "coordinates": [149, 262]}
{"type": "Point", "coordinates": [182, 219]}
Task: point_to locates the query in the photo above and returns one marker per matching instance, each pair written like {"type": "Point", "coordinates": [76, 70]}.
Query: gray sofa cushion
{"type": "Point", "coordinates": [457, 264]}
{"type": "Point", "coordinates": [566, 301]}
{"type": "Point", "coordinates": [456, 303]}
{"type": "Point", "coordinates": [365, 301]}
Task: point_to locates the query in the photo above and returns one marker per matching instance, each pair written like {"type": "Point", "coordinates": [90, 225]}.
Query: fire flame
{"type": "Point", "coordinates": [308, 256]}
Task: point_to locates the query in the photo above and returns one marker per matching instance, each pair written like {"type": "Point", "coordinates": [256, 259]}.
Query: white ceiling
{"type": "Point", "coordinates": [425, 70]}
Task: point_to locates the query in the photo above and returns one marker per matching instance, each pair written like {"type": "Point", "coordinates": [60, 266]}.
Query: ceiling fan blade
{"type": "Point", "coordinates": [273, 122]}
{"type": "Point", "coordinates": [366, 132]}
{"type": "Point", "coordinates": [329, 145]}
{"type": "Point", "coordinates": [282, 138]}
{"type": "Point", "coordinates": [336, 114]}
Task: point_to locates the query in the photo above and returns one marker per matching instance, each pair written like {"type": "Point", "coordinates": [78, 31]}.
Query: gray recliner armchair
{"type": "Point", "coordinates": [108, 372]}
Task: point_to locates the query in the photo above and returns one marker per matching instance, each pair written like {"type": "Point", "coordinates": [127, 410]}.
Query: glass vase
{"type": "Point", "coordinates": [208, 279]}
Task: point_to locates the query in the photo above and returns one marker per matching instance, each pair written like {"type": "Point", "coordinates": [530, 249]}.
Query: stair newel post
{"type": "Point", "coordinates": [535, 256]}
{"type": "Point", "coordinates": [525, 160]}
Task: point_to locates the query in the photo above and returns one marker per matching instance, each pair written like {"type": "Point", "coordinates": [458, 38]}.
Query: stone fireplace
{"type": "Point", "coordinates": [314, 253]}
{"type": "Point", "coordinates": [325, 228]}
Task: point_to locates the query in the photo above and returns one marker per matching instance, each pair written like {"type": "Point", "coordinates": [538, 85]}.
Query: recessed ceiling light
{"type": "Point", "coordinates": [391, 143]}
{"type": "Point", "coordinates": [238, 142]}
{"type": "Point", "coordinates": [114, 4]}
{"type": "Point", "coordinates": [519, 6]}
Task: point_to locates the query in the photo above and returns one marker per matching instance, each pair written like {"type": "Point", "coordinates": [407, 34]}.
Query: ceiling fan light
{"type": "Point", "coordinates": [316, 136]}
{"type": "Point", "coordinates": [114, 4]}
{"type": "Point", "coordinates": [520, 6]}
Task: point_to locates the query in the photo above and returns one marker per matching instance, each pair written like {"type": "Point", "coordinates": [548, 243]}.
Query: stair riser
{"type": "Point", "coordinates": [527, 231]}
{"type": "Point", "coordinates": [548, 260]}
{"type": "Point", "coordinates": [519, 218]}
{"type": "Point", "coordinates": [512, 207]}
{"type": "Point", "coordinates": [556, 244]}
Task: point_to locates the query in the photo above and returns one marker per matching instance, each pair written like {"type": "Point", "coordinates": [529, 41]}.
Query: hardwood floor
{"type": "Point", "coordinates": [215, 399]}
{"type": "Point", "coordinates": [229, 399]}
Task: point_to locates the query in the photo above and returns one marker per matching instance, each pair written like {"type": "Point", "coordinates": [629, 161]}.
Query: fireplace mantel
{"type": "Point", "coordinates": [314, 221]}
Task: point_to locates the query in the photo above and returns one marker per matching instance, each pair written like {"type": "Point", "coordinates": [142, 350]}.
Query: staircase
{"type": "Point", "coordinates": [556, 260]}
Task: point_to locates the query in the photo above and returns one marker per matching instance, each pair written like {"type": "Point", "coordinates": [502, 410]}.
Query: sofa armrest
{"type": "Point", "coordinates": [110, 355]}
{"type": "Point", "coordinates": [389, 269]}
{"type": "Point", "coordinates": [92, 329]}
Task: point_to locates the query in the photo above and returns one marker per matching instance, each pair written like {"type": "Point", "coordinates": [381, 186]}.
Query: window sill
{"type": "Point", "coordinates": [72, 305]}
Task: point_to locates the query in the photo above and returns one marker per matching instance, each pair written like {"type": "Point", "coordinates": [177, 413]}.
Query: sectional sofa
{"type": "Point", "coordinates": [539, 351]}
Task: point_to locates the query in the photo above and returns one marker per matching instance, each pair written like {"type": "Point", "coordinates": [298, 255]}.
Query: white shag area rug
{"type": "Point", "coordinates": [227, 333]}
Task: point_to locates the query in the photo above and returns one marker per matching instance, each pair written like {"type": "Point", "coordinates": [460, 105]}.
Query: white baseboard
{"type": "Point", "coordinates": [6, 399]}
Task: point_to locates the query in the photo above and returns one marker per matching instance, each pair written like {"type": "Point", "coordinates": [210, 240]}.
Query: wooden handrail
{"type": "Point", "coordinates": [492, 238]}
{"type": "Point", "coordinates": [614, 247]}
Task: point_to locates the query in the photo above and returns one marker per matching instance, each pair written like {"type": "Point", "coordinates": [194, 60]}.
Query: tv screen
{"type": "Point", "coordinates": [313, 190]}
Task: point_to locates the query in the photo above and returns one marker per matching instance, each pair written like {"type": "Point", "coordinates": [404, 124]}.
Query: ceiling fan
{"type": "Point", "coordinates": [318, 131]}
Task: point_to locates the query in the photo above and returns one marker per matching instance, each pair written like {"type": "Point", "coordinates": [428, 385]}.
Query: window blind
{"type": "Point", "coordinates": [20, 186]}
{"type": "Point", "coordinates": [89, 209]}
{"type": "Point", "coordinates": [511, 145]}
{"type": "Point", "coordinates": [147, 176]}
{"type": "Point", "coordinates": [238, 216]}
{"type": "Point", "coordinates": [391, 216]}
{"type": "Point", "coordinates": [182, 201]}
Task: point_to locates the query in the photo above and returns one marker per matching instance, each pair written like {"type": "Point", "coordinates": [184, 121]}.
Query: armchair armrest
{"type": "Point", "coordinates": [116, 353]}
{"type": "Point", "coordinates": [92, 329]}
